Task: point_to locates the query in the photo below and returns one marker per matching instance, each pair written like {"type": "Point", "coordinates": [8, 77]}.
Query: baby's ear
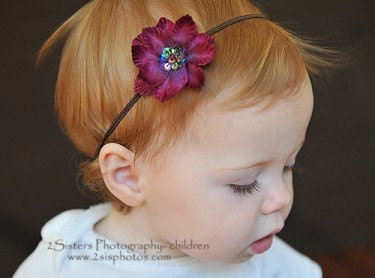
{"type": "Point", "coordinates": [117, 166]}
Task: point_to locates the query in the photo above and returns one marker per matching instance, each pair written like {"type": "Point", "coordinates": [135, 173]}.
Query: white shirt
{"type": "Point", "coordinates": [70, 248]}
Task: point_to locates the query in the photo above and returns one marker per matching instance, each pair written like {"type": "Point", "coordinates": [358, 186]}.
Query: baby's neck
{"type": "Point", "coordinates": [133, 228]}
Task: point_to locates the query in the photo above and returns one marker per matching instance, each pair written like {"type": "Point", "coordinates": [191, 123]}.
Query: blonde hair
{"type": "Point", "coordinates": [255, 60]}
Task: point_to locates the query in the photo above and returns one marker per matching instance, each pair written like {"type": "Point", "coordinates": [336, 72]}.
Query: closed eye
{"type": "Point", "coordinates": [242, 189]}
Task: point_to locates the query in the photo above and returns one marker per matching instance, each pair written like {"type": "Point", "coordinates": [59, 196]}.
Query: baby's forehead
{"type": "Point", "coordinates": [248, 136]}
{"type": "Point", "coordinates": [212, 124]}
{"type": "Point", "coordinates": [222, 110]}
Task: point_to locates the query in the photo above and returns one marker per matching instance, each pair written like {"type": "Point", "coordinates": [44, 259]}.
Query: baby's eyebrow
{"type": "Point", "coordinates": [246, 167]}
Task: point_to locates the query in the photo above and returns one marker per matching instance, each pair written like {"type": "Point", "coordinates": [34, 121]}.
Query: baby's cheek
{"type": "Point", "coordinates": [223, 247]}
{"type": "Point", "coordinates": [212, 252]}
{"type": "Point", "coordinates": [220, 252]}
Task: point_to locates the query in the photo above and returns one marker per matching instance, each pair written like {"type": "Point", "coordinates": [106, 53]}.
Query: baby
{"type": "Point", "coordinates": [193, 113]}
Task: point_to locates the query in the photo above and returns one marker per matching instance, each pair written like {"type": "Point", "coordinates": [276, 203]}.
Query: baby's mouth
{"type": "Point", "coordinates": [262, 245]}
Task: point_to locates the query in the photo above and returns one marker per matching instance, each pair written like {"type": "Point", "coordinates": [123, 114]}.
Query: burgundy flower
{"type": "Point", "coordinates": [169, 57]}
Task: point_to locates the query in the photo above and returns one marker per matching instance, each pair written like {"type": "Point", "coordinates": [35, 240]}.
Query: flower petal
{"type": "Point", "coordinates": [143, 88]}
{"type": "Point", "coordinates": [195, 76]}
{"type": "Point", "coordinates": [184, 31]}
{"type": "Point", "coordinates": [166, 25]}
{"type": "Point", "coordinates": [201, 50]}
{"type": "Point", "coordinates": [153, 39]}
{"type": "Point", "coordinates": [152, 72]}
{"type": "Point", "coordinates": [172, 85]}
{"type": "Point", "coordinates": [141, 56]}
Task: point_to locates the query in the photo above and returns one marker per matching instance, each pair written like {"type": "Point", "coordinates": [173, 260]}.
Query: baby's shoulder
{"type": "Point", "coordinates": [59, 223]}
{"type": "Point", "coordinates": [71, 223]}
{"type": "Point", "coordinates": [58, 238]}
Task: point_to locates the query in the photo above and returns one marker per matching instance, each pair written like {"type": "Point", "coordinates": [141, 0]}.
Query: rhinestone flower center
{"type": "Point", "coordinates": [172, 58]}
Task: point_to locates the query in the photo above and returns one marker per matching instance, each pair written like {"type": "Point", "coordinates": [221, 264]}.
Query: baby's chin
{"type": "Point", "coordinates": [240, 258]}
{"type": "Point", "coordinates": [237, 260]}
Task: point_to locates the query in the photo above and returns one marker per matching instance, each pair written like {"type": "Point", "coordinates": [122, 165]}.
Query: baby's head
{"type": "Point", "coordinates": [218, 158]}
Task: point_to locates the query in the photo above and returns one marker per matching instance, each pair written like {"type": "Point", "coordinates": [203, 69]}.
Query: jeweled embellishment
{"type": "Point", "coordinates": [172, 58]}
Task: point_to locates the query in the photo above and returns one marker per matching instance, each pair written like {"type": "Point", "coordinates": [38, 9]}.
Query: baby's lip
{"type": "Point", "coordinates": [263, 244]}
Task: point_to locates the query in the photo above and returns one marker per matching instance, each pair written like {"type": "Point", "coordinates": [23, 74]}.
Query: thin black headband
{"type": "Point", "coordinates": [136, 97]}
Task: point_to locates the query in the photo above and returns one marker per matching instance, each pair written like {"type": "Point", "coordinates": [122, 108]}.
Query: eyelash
{"type": "Point", "coordinates": [242, 189]}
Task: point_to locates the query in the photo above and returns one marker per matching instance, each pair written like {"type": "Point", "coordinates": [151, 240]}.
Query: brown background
{"type": "Point", "coordinates": [334, 207]}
